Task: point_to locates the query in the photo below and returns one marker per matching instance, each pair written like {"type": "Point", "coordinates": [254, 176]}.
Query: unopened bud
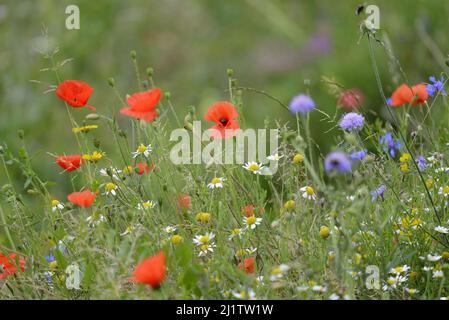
{"type": "Point", "coordinates": [21, 134]}
{"type": "Point", "coordinates": [133, 54]}
{"type": "Point", "coordinates": [150, 72]}
{"type": "Point", "coordinates": [167, 95]}
{"type": "Point", "coordinates": [111, 82]}
{"type": "Point", "coordinates": [230, 72]}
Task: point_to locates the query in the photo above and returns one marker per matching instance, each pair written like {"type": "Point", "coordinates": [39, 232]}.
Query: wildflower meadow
{"type": "Point", "coordinates": [123, 192]}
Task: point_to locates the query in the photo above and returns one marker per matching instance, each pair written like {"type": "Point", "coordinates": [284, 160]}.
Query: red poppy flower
{"type": "Point", "coordinates": [247, 265]}
{"type": "Point", "coordinates": [142, 105]}
{"type": "Point", "coordinates": [223, 113]}
{"type": "Point", "coordinates": [249, 210]}
{"type": "Point", "coordinates": [414, 95]}
{"type": "Point", "coordinates": [184, 201]}
{"type": "Point", "coordinates": [151, 271]}
{"type": "Point", "coordinates": [9, 265]}
{"type": "Point", "coordinates": [82, 198]}
{"type": "Point", "coordinates": [351, 99]}
{"type": "Point", "coordinates": [143, 167]}
{"type": "Point", "coordinates": [69, 163]}
{"type": "Point", "coordinates": [76, 93]}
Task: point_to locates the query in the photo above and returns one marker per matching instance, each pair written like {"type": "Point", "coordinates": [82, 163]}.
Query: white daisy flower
{"type": "Point", "coordinates": [319, 288]}
{"type": "Point", "coordinates": [114, 172]}
{"type": "Point", "coordinates": [444, 191]}
{"type": "Point", "coordinates": [150, 204]}
{"type": "Point", "coordinates": [142, 150]}
{"type": "Point", "coordinates": [95, 219]}
{"type": "Point", "coordinates": [411, 291]}
{"type": "Point", "coordinates": [170, 229]}
{"type": "Point", "coordinates": [254, 167]}
{"type": "Point", "coordinates": [248, 294]}
{"type": "Point", "coordinates": [56, 205]}
{"type": "Point", "coordinates": [251, 250]}
{"type": "Point", "coordinates": [111, 189]}
{"type": "Point", "coordinates": [278, 272]}
{"type": "Point", "coordinates": [400, 269]}
{"type": "Point", "coordinates": [433, 258]}
{"type": "Point", "coordinates": [236, 233]}
{"type": "Point", "coordinates": [441, 229]}
{"type": "Point", "coordinates": [334, 296]}
{"type": "Point", "coordinates": [202, 239]}
{"type": "Point", "coordinates": [251, 222]}
{"type": "Point", "coordinates": [128, 230]}
{"type": "Point", "coordinates": [308, 193]}
{"type": "Point", "coordinates": [274, 157]}
{"type": "Point", "coordinates": [437, 274]}
{"type": "Point", "coordinates": [206, 248]}
{"type": "Point", "coordinates": [216, 182]}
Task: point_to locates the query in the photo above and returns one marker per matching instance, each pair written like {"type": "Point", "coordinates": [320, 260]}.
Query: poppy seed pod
{"type": "Point", "coordinates": [150, 71]}
{"type": "Point", "coordinates": [111, 82]}
{"type": "Point", "coordinates": [167, 95]}
{"type": "Point", "coordinates": [133, 54]}
{"type": "Point", "coordinates": [230, 72]}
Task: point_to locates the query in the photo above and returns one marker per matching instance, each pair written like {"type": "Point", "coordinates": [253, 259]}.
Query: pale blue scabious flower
{"type": "Point", "coordinates": [337, 161]}
{"type": "Point", "coordinates": [422, 164]}
{"type": "Point", "coordinates": [358, 155]}
{"type": "Point", "coordinates": [379, 192]}
{"type": "Point", "coordinates": [352, 121]}
{"type": "Point", "coordinates": [301, 103]}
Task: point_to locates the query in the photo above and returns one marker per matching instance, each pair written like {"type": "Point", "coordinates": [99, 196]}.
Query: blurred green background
{"type": "Point", "coordinates": [272, 46]}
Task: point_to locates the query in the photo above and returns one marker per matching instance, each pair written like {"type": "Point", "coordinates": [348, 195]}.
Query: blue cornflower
{"type": "Point", "coordinates": [301, 103]}
{"type": "Point", "coordinates": [50, 258]}
{"type": "Point", "coordinates": [379, 192]}
{"type": "Point", "coordinates": [390, 145]}
{"type": "Point", "coordinates": [437, 85]}
{"type": "Point", "coordinates": [359, 155]}
{"type": "Point", "coordinates": [422, 164]}
{"type": "Point", "coordinates": [337, 161]}
{"type": "Point", "coordinates": [352, 121]}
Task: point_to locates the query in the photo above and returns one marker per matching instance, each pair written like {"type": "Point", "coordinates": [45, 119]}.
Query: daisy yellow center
{"type": "Point", "coordinates": [310, 191]}
{"type": "Point", "coordinates": [204, 247]}
{"type": "Point", "coordinates": [216, 180]}
{"type": "Point", "coordinates": [398, 269]}
{"type": "Point", "coordinates": [110, 186]}
{"type": "Point", "coordinates": [446, 189]}
{"type": "Point", "coordinates": [54, 203]}
{"type": "Point", "coordinates": [235, 231]}
{"type": "Point", "coordinates": [147, 204]}
{"type": "Point", "coordinates": [128, 170]}
{"type": "Point", "coordinates": [240, 253]}
{"type": "Point", "coordinates": [253, 167]}
{"type": "Point", "coordinates": [141, 148]}
{"type": "Point", "coordinates": [204, 239]}
{"type": "Point", "coordinates": [242, 294]}
{"type": "Point", "coordinates": [298, 158]}
{"type": "Point", "coordinates": [251, 220]}
{"type": "Point", "coordinates": [391, 281]}
{"type": "Point", "coordinates": [276, 271]}
{"type": "Point", "coordinates": [176, 239]}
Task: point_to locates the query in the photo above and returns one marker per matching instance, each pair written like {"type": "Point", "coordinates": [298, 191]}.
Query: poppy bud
{"type": "Point", "coordinates": [97, 143]}
{"type": "Point", "coordinates": [233, 83]}
{"type": "Point", "coordinates": [230, 72]}
{"type": "Point", "coordinates": [21, 134]}
{"type": "Point", "coordinates": [33, 192]}
{"type": "Point", "coordinates": [164, 188]}
{"type": "Point", "coordinates": [121, 133]}
{"type": "Point", "coordinates": [307, 82]}
{"type": "Point", "coordinates": [133, 54]}
{"type": "Point", "coordinates": [150, 71]}
{"type": "Point", "coordinates": [111, 82]}
{"type": "Point", "coordinates": [167, 95]}
{"type": "Point", "coordinates": [92, 116]}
